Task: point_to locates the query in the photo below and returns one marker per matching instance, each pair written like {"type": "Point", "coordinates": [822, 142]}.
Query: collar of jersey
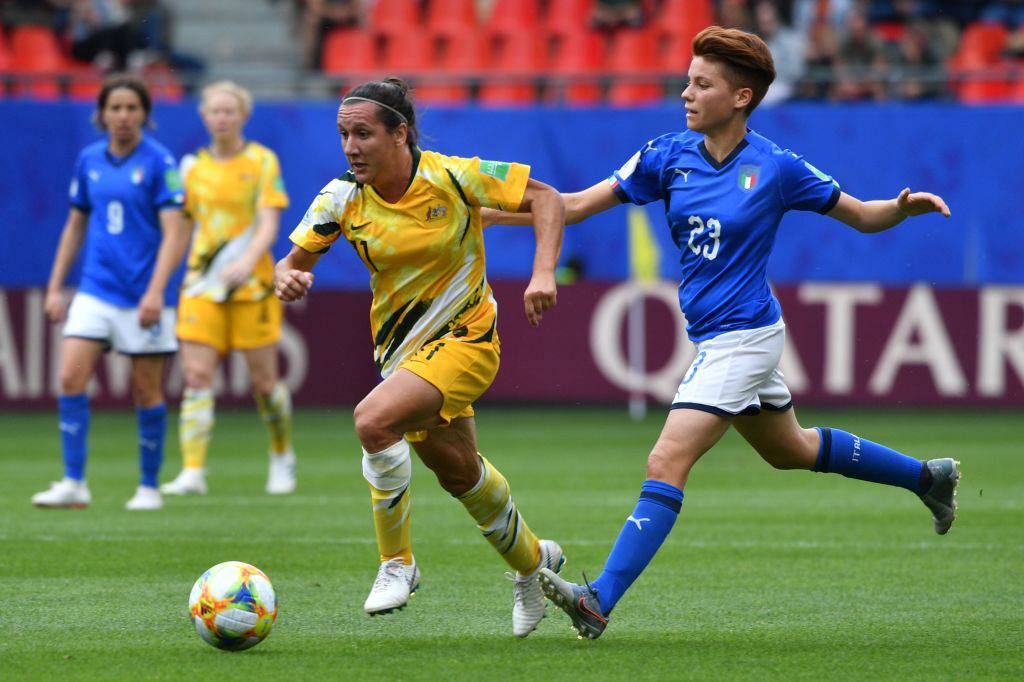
{"type": "Point", "coordinates": [727, 160]}
{"type": "Point", "coordinates": [117, 161]}
{"type": "Point", "coordinates": [416, 154]}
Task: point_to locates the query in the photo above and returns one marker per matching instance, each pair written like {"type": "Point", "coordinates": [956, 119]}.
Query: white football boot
{"type": "Point", "coordinates": [528, 601]}
{"type": "Point", "coordinates": [145, 498]}
{"type": "Point", "coordinates": [281, 475]}
{"type": "Point", "coordinates": [395, 583]}
{"type": "Point", "coordinates": [66, 493]}
{"type": "Point", "coordinates": [191, 481]}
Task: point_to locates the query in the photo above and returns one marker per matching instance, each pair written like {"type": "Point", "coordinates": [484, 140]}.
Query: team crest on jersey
{"type": "Point", "coordinates": [748, 177]}
{"type": "Point", "coordinates": [436, 212]}
{"type": "Point", "coordinates": [137, 176]}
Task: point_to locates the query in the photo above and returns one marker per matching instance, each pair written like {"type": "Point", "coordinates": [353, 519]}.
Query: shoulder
{"type": "Point", "coordinates": [157, 153]}
{"type": "Point", "coordinates": [341, 190]}
{"type": "Point", "coordinates": [92, 151]}
{"type": "Point", "coordinates": [259, 153]}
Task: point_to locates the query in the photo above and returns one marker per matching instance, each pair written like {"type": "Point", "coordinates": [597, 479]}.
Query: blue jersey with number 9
{"type": "Point", "coordinates": [123, 197]}
{"type": "Point", "coordinates": [723, 218]}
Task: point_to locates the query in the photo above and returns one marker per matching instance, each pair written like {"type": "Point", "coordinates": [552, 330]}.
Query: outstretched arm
{"type": "Point", "coordinates": [292, 276]}
{"type": "Point", "coordinates": [578, 207]}
{"type": "Point", "coordinates": [547, 209]}
{"type": "Point", "coordinates": [880, 215]}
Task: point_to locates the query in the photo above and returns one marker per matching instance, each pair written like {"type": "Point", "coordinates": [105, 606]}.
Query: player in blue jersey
{"type": "Point", "coordinates": [126, 201]}
{"type": "Point", "coordinates": [725, 189]}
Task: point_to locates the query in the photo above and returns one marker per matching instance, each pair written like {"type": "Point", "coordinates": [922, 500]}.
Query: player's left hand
{"type": "Point", "coordinates": [540, 295]}
{"type": "Point", "coordinates": [920, 203]}
{"type": "Point", "coordinates": [150, 306]}
{"type": "Point", "coordinates": [236, 274]}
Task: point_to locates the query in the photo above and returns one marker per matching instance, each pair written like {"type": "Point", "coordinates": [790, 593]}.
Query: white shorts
{"type": "Point", "coordinates": [119, 328]}
{"type": "Point", "coordinates": [737, 373]}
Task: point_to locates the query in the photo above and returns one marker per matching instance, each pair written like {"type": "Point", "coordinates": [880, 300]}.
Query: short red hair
{"type": "Point", "coordinates": [747, 59]}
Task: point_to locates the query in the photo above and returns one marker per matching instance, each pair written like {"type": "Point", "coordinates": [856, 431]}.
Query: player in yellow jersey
{"type": "Point", "coordinates": [414, 219]}
{"type": "Point", "coordinates": [234, 194]}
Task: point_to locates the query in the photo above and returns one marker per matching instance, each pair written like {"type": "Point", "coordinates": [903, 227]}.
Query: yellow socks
{"type": "Point", "coordinates": [276, 411]}
{"type": "Point", "coordinates": [389, 473]}
{"type": "Point", "coordinates": [490, 504]}
{"type": "Point", "coordinates": [195, 425]}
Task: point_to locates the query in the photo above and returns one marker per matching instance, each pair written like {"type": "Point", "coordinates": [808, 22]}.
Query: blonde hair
{"type": "Point", "coordinates": [243, 96]}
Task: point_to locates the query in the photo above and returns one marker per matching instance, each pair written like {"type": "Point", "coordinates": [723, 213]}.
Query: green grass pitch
{"type": "Point", "coordinates": [768, 574]}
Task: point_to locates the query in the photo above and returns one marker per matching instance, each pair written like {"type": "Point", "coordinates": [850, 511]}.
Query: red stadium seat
{"type": "Point", "coordinates": [517, 60]}
{"type": "Point", "coordinates": [684, 18]}
{"type": "Point", "coordinates": [578, 57]}
{"type": "Point", "coordinates": [36, 55]}
{"type": "Point", "coordinates": [451, 17]}
{"type": "Point", "coordinates": [567, 16]}
{"type": "Point", "coordinates": [85, 83]}
{"type": "Point", "coordinates": [514, 15]}
{"type": "Point", "coordinates": [163, 83]}
{"type": "Point", "coordinates": [893, 31]}
{"type": "Point", "coordinates": [633, 59]}
{"type": "Point", "coordinates": [675, 53]}
{"type": "Point", "coordinates": [410, 54]}
{"type": "Point", "coordinates": [394, 17]}
{"type": "Point", "coordinates": [349, 52]}
{"type": "Point", "coordinates": [457, 58]}
{"type": "Point", "coordinates": [981, 42]}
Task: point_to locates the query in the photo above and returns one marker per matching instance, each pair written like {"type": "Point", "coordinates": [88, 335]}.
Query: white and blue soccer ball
{"type": "Point", "coordinates": [233, 606]}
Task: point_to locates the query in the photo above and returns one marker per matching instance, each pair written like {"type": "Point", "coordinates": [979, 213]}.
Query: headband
{"type": "Point", "coordinates": [380, 104]}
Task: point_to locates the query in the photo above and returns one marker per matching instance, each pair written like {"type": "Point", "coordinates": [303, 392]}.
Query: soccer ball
{"type": "Point", "coordinates": [233, 606]}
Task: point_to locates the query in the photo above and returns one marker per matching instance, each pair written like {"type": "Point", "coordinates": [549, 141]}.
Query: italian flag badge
{"type": "Point", "coordinates": [748, 177]}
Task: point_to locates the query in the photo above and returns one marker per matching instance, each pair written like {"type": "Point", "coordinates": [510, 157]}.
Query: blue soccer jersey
{"type": "Point", "coordinates": [123, 197]}
{"type": "Point", "coordinates": [723, 218]}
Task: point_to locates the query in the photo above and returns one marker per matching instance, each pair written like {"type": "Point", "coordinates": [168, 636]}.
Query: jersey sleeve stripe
{"type": "Point", "coordinates": [832, 200]}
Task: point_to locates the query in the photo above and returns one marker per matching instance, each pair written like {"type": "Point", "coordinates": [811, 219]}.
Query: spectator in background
{"type": "Point", "coordinates": [153, 22]}
{"type": "Point", "coordinates": [609, 15]}
{"type": "Point", "coordinates": [860, 60]}
{"type": "Point", "coordinates": [32, 12]}
{"type": "Point", "coordinates": [322, 16]}
{"type": "Point", "coordinates": [820, 61]}
{"type": "Point", "coordinates": [101, 34]}
{"type": "Point", "coordinates": [734, 14]}
{"type": "Point", "coordinates": [914, 66]}
{"type": "Point", "coordinates": [1011, 14]}
{"type": "Point", "coordinates": [788, 49]}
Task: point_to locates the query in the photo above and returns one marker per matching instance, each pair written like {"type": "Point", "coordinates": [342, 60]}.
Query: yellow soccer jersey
{"type": "Point", "coordinates": [425, 253]}
{"type": "Point", "coordinates": [223, 196]}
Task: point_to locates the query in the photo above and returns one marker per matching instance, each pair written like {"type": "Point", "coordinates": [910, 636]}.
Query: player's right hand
{"type": "Point", "coordinates": [55, 307]}
{"type": "Point", "coordinates": [292, 285]}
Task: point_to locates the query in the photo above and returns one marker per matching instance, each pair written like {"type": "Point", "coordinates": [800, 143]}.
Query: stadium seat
{"type": "Point", "coordinates": [578, 56]}
{"type": "Point", "coordinates": [163, 83]}
{"type": "Point", "coordinates": [451, 17]}
{"type": "Point", "coordinates": [408, 55]}
{"type": "Point", "coordinates": [85, 82]}
{"type": "Point", "coordinates": [394, 17]}
{"type": "Point", "coordinates": [565, 16]}
{"type": "Point", "coordinates": [892, 31]}
{"type": "Point", "coordinates": [514, 15]}
{"type": "Point", "coordinates": [517, 60]}
{"type": "Point", "coordinates": [674, 53]}
{"type": "Point", "coordinates": [684, 17]}
{"type": "Point", "coordinates": [633, 60]}
{"type": "Point", "coordinates": [349, 52]}
{"type": "Point", "coordinates": [981, 42]}
{"type": "Point", "coordinates": [36, 56]}
{"type": "Point", "coordinates": [458, 59]}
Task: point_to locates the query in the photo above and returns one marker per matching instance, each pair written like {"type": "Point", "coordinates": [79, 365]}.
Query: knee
{"type": "Point", "coordinates": [373, 427]}
{"type": "Point", "coordinates": [73, 380]}
{"type": "Point", "coordinates": [197, 376]}
{"type": "Point", "coordinates": [263, 384]}
{"type": "Point", "coordinates": [147, 391]}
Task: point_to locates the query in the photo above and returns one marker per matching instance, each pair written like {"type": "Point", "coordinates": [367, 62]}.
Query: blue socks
{"type": "Point", "coordinates": [843, 453]}
{"type": "Point", "coordinates": [152, 426]}
{"type": "Point", "coordinates": [73, 412]}
{"type": "Point", "coordinates": [645, 530]}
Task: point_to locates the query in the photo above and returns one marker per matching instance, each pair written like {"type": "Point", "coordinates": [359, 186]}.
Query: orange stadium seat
{"type": "Point", "coordinates": [981, 42]}
{"type": "Point", "coordinates": [578, 55]}
{"type": "Point", "coordinates": [976, 64]}
{"type": "Point", "coordinates": [565, 16]}
{"type": "Point", "coordinates": [517, 60]}
{"type": "Point", "coordinates": [85, 83]}
{"type": "Point", "coordinates": [452, 17]}
{"type": "Point", "coordinates": [675, 53]}
{"type": "Point", "coordinates": [163, 83]}
{"type": "Point", "coordinates": [394, 17]}
{"type": "Point", "coordinates": [515, 15]}
{"type": "Point", "coordinates": [633, 59]}
{"type": "Point", "coordinates": [36, 55]}
{"type": "Point", "coordinates": [349, 52]}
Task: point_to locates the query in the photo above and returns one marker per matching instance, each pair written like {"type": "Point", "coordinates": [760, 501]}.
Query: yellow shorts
{"type": "Point", "coordinates": [232, 325]}
{"type": "Point", "coordinates": [461, 370]}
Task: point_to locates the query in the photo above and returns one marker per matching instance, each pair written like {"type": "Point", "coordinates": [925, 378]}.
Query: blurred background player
{"type": "Point", "coordinates": [725, 190]}
{"type": "Point", "coordinates": [413, 217]}
{"type": "Point", "coordinates": [126, 199]}
{"type": "Point", "coordinates": [235, 195]}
